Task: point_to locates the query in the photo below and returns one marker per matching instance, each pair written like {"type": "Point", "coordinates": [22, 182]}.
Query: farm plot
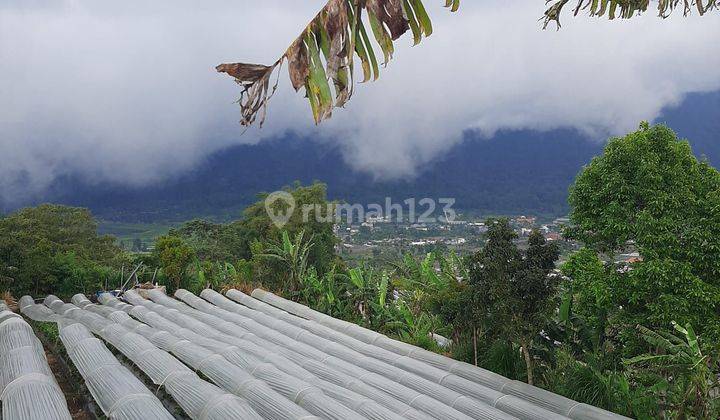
{"type": "Point", "coordinates": [236, 356]}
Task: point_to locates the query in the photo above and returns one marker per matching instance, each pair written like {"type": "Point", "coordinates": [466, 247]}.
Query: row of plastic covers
{"type": "Point", "coordinates": [303, 345]}
{"type": "Point", "coordinates": [197, 397]}
{"type": "Point", "coordinates": [28, 389]}
{"type": "Point", "coordinates": [274, 359]}
{"type": "Point", "coordinates": [379, 360]}
{"type": "Point", "coordinates": [325, 399]}
{"type": "Point", "coordinates": [118, 392]}
{"type": "Point", "coordinates": [457, 375]}
{"type": "Point", "coordinates": [367, 393]}
{"type": "Point", "coordinates": [264, 400]}
{"type": "Point", "coordinates": [423, 396]}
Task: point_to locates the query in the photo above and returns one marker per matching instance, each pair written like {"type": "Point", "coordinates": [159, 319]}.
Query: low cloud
{"type": "Point", "coordinates": [126, 92]}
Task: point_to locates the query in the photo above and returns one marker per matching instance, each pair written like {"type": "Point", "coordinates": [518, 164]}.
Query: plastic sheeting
{"type": "Point", "coordinates": [286, 361]}
{"type": "Point", "coordinates": [320, 397]}
{"type": "Point", "coordinates": [40, 313]}
{"type": "Point", "coordinates": [347, 390]}
{"type": "Point", "coordinates": [311, 358]}
{"type": "Point", "coordinates": [7, 314]}
{"type": "Point", "coordinates": [265, 401]}
{"type": "Point", "coordinates": [345, 355]}
{"type": "Point", "coordinates": [27, 386]}
{"type": "Point", "coordinates": [299, 326]}
{"type": "Point", "coordinates": [198, 398]}
{"type": "Point", "coordinates": [118, 393]}
{"type": "Point", "coordinates": [301, 393]}
{"type": "Point", "coordinates": [350, 334]}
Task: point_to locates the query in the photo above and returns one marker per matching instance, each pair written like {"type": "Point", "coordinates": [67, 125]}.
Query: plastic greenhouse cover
{"type": "Point", "coordinates": [303, 352]}
{"type": "Point", "coordinates": [294, 390]}
{"type": "Point", "coordinates": [264, 400]}
{"type": "Point", "coordinates": [325, 399]}
{"type": "Point", "coordinates": [343, 379]}
{"type": "Point", "coordinates": [311, 363]}
{"type": "Point", "coordinates": [350, 333]}
{"type": "Point", "coordinates": [284, 331]}
{"type": "Point", "coordinates": [28, 389]}
{"type": "Point", "coordinates": [199, 399]}
{"type": "Point", "coordinates": [40, 313]}
{"type": "Point", "coordinates": [509, 404]}
{"type": "Point", "coordinates": [344, 388]}
{"type": "Point", "coordinates": [307, 356]}
{"type": "Point", "coordinates": [118, 393]}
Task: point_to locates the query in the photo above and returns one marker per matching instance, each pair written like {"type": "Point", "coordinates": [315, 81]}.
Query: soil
{"type": "Point", "coordinates": [76, 401]}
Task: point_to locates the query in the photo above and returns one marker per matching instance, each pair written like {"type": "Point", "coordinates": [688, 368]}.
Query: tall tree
{"type": "Point", "coordinates": [648, 192]}
{"type": "Point", "coordinates": [312, 214]}
{"type": "Point", "coordinates": [175, 256]}
{"type": "Point", "coordinates": [514, 291]}
{"type": "Point", "coordinates": [232, 242]}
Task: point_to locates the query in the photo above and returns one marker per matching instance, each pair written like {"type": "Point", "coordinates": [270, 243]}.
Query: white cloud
{"type": "Point", "coordinates": [127, 92]}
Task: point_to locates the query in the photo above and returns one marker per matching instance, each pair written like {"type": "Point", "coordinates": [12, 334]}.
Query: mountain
{"type": "Point", "coordinates": [518, 171]}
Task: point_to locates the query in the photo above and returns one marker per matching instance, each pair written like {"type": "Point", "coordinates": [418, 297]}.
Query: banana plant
{"type": "Point", "coordinates": [626, 9]}
{"type": "Point", "coordinates": [202, 278]}
{"type": "Point", "coordinates": [321, 60]}
{"type": "Point", "coordinates": [322, 292]}
{"type": "Point", "coordinates": [679, 362]}
{"type": "Point", "coordinates": [419, 280]}
{"type": "Point", "coordinates": [292, 254]}
{"type": "Point", "coordinates": [415, 328]}
{"type": "Point", "coordinates": [367, 290]}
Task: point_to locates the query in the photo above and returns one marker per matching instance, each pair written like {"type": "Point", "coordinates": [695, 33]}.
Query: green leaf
{"type": "Point", "coordinates": [565, 308]}
{"type": "Point", "coordinates": [414, 25]}
{"type": "Point", "coordinates": [646, 358]}
{"type": "Point", "coordinates": [383, 289]}
{"type": "Point", "coordinates": [455, 6]}
{"type": "Point", "coordinates": [423, 17]}
{"type": "Point", "coordinates": [356, 278]}
{"type": "Point", "coordinates": [370, 52]}
{"type": "Point", "coordinates": [382, 36]}
{"type": "Point", "coordinates": [318, 81]}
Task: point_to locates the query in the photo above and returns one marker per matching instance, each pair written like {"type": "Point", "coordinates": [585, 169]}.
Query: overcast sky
{"type": "Point", "coordinates": [126, 91]}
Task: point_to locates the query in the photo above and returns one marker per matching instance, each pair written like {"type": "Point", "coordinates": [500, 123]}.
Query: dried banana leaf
{"type": "Point", "coordinates": [323, 55]}
{"type": "Point", "coordinates": [625, 9]}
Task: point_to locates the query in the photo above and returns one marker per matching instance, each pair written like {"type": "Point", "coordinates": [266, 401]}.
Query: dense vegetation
{"type": "Point", "coordinates": [55, 249]}
{"type": "Point", "coordinates": [639, 338]}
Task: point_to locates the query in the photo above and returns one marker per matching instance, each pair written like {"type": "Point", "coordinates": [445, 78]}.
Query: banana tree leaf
{"type": "Point", "coordinates": [339, 33]}
{"type": "Point", "coordinates": [626, 9]}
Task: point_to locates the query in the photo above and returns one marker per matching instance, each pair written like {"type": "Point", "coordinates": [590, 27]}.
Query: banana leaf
{"type": "Point", "coordinates": [324, 53]}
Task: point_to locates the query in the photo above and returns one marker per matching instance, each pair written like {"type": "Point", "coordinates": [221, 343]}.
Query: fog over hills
{"type": "Point", "coordinates": [134, 121]}
{"type": "Point", "coordinates": [513, 172]}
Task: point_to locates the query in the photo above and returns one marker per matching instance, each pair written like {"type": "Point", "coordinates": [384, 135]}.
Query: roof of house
{"type": "Point", "coordinates": [262, 356]}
